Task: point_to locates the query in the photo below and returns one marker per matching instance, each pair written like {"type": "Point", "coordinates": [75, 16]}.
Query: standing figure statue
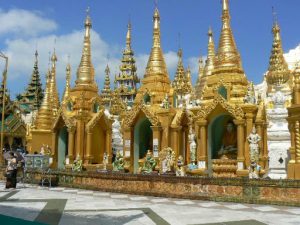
{"type": "Point", "coordinates": [118, 164]}
{"type": "Point", "coordinates": [180, 172]}
{"type": "Point", "coordinates": [253, 140]}
{"type": "Point", "coordinates": [105, 160]}
{"type": "Point", "coordinates": [149, 163]}
{"type": "Point", "coordinates": [167, 159]}
{"type": "Point", "coordinates": [193, 146]}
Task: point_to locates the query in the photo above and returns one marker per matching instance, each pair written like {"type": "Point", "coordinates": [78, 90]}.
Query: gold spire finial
{"type": "Point", "coordinates": [68, 78]}
{"type": "Point", "coordinates": [128, 36]}
{"type": "Point", "coordinates": [156, 28]}
{"type": "Point", "coordinates": [228, 55]}
{"type": "Point", "coordinates": [278, 72]}
{"type": "Point", "coordinates": [85, 71]}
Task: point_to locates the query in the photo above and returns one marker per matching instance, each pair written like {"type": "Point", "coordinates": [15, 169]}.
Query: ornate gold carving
{"type": "Point", "coordinates": [234, 110]}
{"type": "Point", "coordinates": [131, 115]}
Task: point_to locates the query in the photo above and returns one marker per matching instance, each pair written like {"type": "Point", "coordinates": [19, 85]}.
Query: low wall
{"type": "Point", "coordinates": [279, 192]}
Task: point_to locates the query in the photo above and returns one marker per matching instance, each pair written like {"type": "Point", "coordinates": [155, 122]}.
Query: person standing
{"type": "Point", "coordinates": [11, 172]}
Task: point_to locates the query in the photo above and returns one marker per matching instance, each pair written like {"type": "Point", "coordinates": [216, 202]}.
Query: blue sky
{"type": "Point", "coordinates": [63, 21]}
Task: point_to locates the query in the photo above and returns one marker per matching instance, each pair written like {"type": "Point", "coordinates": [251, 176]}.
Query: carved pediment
{"type": "Point", "coordinates": [140, 107]}
{"type": "Point", "coordinates": [234, 110]}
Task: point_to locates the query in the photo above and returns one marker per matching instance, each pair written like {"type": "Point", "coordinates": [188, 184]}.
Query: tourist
{"type": "Point", "coordinates": [11, 172]}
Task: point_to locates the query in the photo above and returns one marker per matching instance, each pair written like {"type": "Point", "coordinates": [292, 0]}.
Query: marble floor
{"type": "Point", "coordinates": [65, 206]}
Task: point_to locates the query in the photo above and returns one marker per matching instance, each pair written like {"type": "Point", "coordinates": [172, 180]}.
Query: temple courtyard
{"type": "Point", "coordinates": [57, 205]}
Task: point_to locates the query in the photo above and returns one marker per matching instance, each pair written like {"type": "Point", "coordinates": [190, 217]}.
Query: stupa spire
{"type": "Point", "coordinates": [68, 86]}
{"type": "Point", "coordinates": [44, 117]}
{"type": "Point", "coordinates": [128, 36]}
{"type": "Point", "coordinates": [85, 71]}
{"type": "Point", "coordinates": [53, 87]}
{"type": "Point", "coordinates": [278, 72]}
{"type": "Point", "coordinates": [209, 64]}
{"type": "Point", "coordinates": [106, 91]}
{"type": "Point", "coordinates": [228, 55]}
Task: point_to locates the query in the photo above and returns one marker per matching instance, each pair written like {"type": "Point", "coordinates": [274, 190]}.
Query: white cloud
{"type": "Point", "coordinates": [25, 23]}
{"type": "Point", "coordinates": [20, 50]}
{"type": "Point", "coordinates": [293, 56]}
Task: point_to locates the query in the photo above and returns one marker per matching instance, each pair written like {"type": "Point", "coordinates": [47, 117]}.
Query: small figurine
{"type": "Point", "coordinates": [118, 164]}
{"type": "Point", "coordinates": [180, 171]}
{"type": "Point", "coordinates": [105, 160]}
{"type": "Point", "coordinates": [193, 145]}
{"type": "Point", "coordinates": [149, 163]}
{"type": "Point", "coordinates": [165, 103]}
{"type": "Point", "coordinates": [167, 159]}
{"type": "Point", "coordinates": [77, 165]}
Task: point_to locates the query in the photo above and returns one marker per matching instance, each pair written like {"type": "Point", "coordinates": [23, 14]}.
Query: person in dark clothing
{"type": "Point", "coordinates": [11, 172]}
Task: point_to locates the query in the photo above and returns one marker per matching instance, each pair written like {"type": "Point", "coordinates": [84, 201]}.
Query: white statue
{"type": "Point", "coordinates": [167, 158]}
{"type": "Point", "coordinates": [105, 160]}
{"type": "Point", "coordinates": [278, 98]}
{"type": "Point", "coordinates": [253, 140]}
{"type": "Point", "coordinates": [193, 145]}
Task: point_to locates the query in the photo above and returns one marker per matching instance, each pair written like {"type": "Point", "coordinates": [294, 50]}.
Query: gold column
{"type": "Point", "coordinates": [292, 151]}
{"type": "Point", "coordinates": [128, 149]}
{"type": "Point", "coordinates": [175, 141]}
{"type": "Point", "coordinates": [54, 150]}
{"type": "Point", "coordinates": [88, 153]}
{"type": "Point", "coordinates": [202, 145]}
{"type": "Point", "coordinates": [71, 132]}
{"type": "Point", "coordinates": [249, 126]}
{"type": "Point", "coordinates": [187, 145]}
{"type": "Point", "coordinates": [240, 143]}
{"type": "Point", "coordinates": [108, 145]}
{"type": "Point", "coordinates": [79, 138]}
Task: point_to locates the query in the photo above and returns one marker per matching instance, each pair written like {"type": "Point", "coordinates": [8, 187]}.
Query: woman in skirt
{"type": "Point", "coordinates": [11, 172]}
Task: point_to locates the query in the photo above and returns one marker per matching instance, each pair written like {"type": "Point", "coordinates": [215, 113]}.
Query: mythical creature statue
{"type": "Point", "coordinates": [118, 164]}
{"type": "Point", "coordinates": [77, 165]}
{"type": "Point", "coordinates": [149, 163]}
{"type": "Point", "coordinates": [165, 103]}
{"type": "Point", "coordinates": [180, 171]}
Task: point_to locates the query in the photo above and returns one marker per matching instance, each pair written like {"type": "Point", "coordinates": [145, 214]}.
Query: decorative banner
{"type": "Point", "coordinates": [127, 143]}
{"type": "Point", "coordinates": [155, 147]}
{"type": "Point", "coordinates": [127, 153]}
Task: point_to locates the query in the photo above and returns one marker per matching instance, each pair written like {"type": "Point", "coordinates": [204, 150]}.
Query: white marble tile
{"type": "Point", "coordinates": [266, 208]}
{"type": "Point", "coordinates": [185, 202]}
{"type": "Point", "coordinates": [118, 196]}
{"type": "Point", "coordinates": [209, 204]}
{"type": "Point", "coordinates": [139, 198]}
{"type": "Point", "coordinates": [85, 192]}
{"type": "Point", "coordinates": [158, 200]}
{"type": "Point", "coordinates": [294, 211]}
{"type": "Point", "coordinates": [237, 206]}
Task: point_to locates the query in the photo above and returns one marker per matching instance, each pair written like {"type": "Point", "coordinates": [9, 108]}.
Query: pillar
{"type": "Point", "coordinates": [240, 143]}
{"type": "Point", "coordinates": [108, 147]}
{"type": "Point", "coordinates": [54, 148]}
{"type": "Point", "coordinates": [259, 129]}
{"type": "Point", "coordinates": [187, 145]}
{"type": "Point", "coordinates": [249, 126]}
{"type": "Point", "coordinates": [79, 138]}
{"type": "Point", "coordinates": [88, 154]}
{"type": "Point", "coordinates": [175, 141]}
{"type": "Point", "coordinates": [202, 145]}
{"type": "Point", "coordinates": [128, 149]}
{"type": "Point", "coordinates": [71, 136]}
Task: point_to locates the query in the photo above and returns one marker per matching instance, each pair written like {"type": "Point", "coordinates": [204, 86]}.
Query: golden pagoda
{"type": "Point", "coordinates": [156, 70]}
{"type": "Point", "coordinates": [41, 131]}
{"type": "Point", "coordinates": [293, 171]}
{"type": "Point", "coordinates": [182, 80]}
{"type": "Point", "coordinates": [209, 66]}
{"type": "Point", "coordinates": [198, 88]}
{"type": "Point", "coordinates": [106, 92]}
{"type": "Point", "coordinates": [226, 117]}
{"type": "Point", "coordinates": [126, 81]}
{"type": "Point", "coordinates": [80, 128]}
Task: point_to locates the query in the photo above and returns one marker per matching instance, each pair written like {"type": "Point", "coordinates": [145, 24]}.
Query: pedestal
{"type": "Point", "coordinates": [278, 143]}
